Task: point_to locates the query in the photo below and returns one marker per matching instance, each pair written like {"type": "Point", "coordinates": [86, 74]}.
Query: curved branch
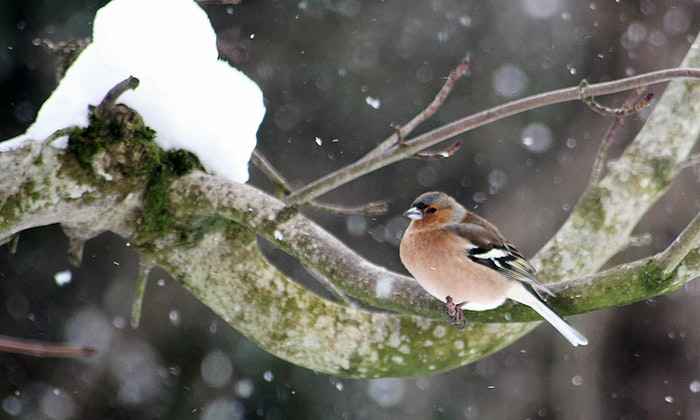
{"type": "Point", "coordinates": [199, 195]}
{"type": "Point", "coordinates": [219, 261]}
{"type": "Point", "coordinates": [209, 247]}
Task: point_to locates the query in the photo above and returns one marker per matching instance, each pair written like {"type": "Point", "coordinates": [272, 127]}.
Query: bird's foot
{"type": "Point", "coordinates": [455, 314]}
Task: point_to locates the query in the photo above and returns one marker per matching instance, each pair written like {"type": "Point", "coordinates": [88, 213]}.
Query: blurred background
{"type": "Point", "coordinates": [336, 74]}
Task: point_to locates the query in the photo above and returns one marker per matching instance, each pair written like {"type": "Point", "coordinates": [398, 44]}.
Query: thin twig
{"type": "Point", "coordinates": [456, 74]}
{"type": "Point", "coordinates": [626, 109]}
{"type": "Point", "coordinates": [637, 102]}
{"type": "Point", "coordinates": [55, 136]}
{"type": "Point", "coordinates": [270, 171]}
{"type": "Point", "coordinates": [366, 165]}
{"type": "Point", "coordinates": [601, 157]}
{"type": "Point", "coordinates": [401, 132]}
{"type": "Point", "coordinates": [113, 95]}
{"type": "Point", "coordinates": [439, 154]}
{"type": "Point", "coordinates": [42, 349]}
{"type": "Point", "coordinates": [681, 246]}
{"type": "Point", "coordinates": [374, 208]}
{"type": "Point", "coordinates": [444, 153]}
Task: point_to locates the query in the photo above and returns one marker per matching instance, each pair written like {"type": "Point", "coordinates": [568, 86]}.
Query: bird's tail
{"type": "Point", "coordinates": [520, 293]}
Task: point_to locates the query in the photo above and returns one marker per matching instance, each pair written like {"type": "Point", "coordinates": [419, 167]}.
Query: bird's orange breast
{"type": "Point", "coordinates": [439, 262]}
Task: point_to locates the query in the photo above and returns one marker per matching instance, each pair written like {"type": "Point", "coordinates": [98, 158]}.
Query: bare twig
{"type": "Point", "coordinates": [401, 132]}
{"type": "Point", "coordinates": [601, 157]}
{"type": "Point", "coordinates": [456, 74]}
{"type": "Point", "coordinates": [636, 102]}
{"type": "Point", "coordinates": [113, 95]}
{"type": "Point", "coordinates": [681, 246]}
{"type": "Point", "coordinates": [444, 153]}
{"type": "Point", "coordinates": [270, 171]}
{"type": "Point", "coordinates": [42, 349]}
{"type": "Point", "coordinates": [626, 109]}
{"type": "Point", "coordinates": [376, 160]}
{"type": "Point", "coordinates": [374, 208]}
{"type": "Point", "coordinates": [55, 136]}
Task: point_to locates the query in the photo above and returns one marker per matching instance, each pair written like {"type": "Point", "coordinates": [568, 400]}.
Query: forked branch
{"type": "Point", "coordinates": [228, 273]}
{"type": "Point", "coordinates": [381, 158]}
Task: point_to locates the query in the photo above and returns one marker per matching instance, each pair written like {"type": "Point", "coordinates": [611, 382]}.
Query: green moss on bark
{"type": "Point", "coordinates": [663, 171]}
{"type": "Point", "coordinates": [652, 279]}
{"type": "Point", "coordinates": [127, 151]}
{"type": "Point", "coordinates": [167, 165]}
{"type": "Point", "coordinates": [12, 206]}
{"type": "Point", "coordinates": [590, 209]}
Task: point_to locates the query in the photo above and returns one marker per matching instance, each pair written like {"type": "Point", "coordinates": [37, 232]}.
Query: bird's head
{"type": "Point", "coordinates": [434, 208]}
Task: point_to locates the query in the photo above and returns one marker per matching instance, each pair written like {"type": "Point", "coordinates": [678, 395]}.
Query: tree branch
{"type": "Point", "coordinates": [686, 242]}
{"type": "Point", "coordinates": [636, 103]}
{"type": "Point", "coordinates": [401, 132]}
{"type": "Point", "coordinates": [374, 208]}
{"type": "Point", "coordinates": [110, 100]}
{"type": "Point", "coordinates": [208, 245]}
{"type": "Point", "coordinates": [410, 147]}
{"type": "Point", "coordinates": [42, 349]}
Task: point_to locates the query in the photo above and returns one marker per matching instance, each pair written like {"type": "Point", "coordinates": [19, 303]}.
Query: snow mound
{"type": "Point", "coordinates": [192, 99]}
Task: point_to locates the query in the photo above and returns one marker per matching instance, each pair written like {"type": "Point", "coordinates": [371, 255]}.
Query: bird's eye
{"type": "Point", "coordinates": [430, 210]}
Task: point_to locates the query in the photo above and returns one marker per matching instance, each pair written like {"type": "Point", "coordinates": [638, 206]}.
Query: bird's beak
{"type": "Point", "coordinates": [413, 213]}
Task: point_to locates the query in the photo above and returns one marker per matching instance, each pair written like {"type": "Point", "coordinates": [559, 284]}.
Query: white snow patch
{"type": "Point", "coordinates": [193, 100]}
{"type": "Point", "coordinates": [375, 103]}
{"type": "Point", "coordinates": [62, 278]}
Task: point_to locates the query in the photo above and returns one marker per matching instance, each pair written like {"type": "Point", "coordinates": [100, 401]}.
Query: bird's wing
{"type": "Point", "coordinates": [487, 247]}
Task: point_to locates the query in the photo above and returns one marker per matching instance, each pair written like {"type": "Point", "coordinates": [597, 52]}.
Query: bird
{"type": "Point", "coordinates": [463, 260]}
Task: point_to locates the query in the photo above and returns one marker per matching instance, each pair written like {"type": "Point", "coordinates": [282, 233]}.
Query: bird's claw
{"type": "Point", "coordinates": [455, 314]}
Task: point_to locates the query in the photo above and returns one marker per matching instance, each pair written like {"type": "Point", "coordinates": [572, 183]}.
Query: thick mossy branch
{"type": "Point", "coordinates": [199, 194]}
{"type": "Point", "coordinates": [202, 228]}
{"type": "Point", "coordinates": [230, 275]}
{"type": "Point", "coordinates": [599, 227]}
{"type": "Point", "coordinates": [128, 146]}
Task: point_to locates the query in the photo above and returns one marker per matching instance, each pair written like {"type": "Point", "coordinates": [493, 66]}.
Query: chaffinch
{"type": "Point", "coordinates": [458, 256]}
